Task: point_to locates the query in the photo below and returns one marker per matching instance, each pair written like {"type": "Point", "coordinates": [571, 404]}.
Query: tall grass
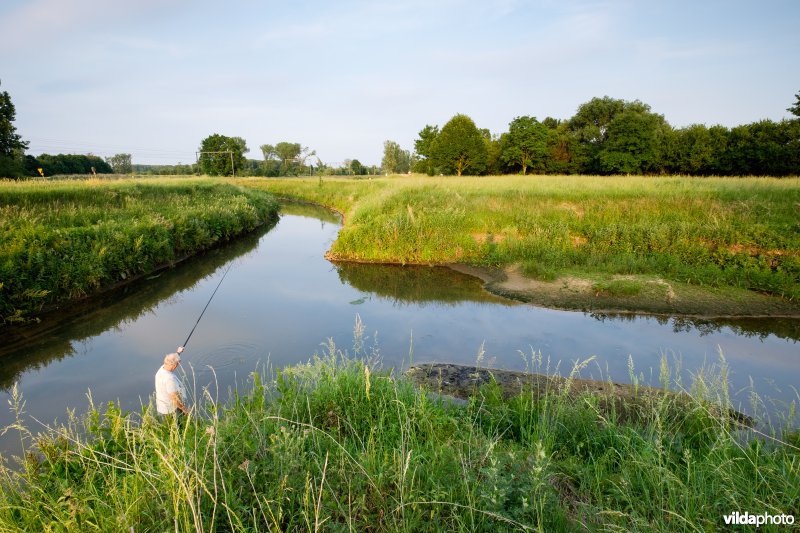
{"type": "Point", "coordinates": [337, 445]}
{"type": "Point", "coordinates": [715, 231]}
{"type": "Point", "coordinates": [67, 239]}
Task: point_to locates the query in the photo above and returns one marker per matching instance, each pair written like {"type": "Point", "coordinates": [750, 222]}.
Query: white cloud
{"type": "Point", "coordinates": [39, 22]}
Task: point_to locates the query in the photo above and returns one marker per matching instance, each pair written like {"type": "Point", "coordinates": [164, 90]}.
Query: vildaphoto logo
{"type": "Point", "coordinates": [747, 519]}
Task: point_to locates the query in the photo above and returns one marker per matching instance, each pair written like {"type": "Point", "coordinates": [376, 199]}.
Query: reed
{"type": "Point", "coordinates": [66, 239]}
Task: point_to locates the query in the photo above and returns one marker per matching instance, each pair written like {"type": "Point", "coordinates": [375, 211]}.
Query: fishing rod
{"type": "Point", "coordinates": [207, 304]}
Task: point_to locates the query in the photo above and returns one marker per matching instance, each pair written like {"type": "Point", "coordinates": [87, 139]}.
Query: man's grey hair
{"type": "Point", "coordinates": [171, 358]}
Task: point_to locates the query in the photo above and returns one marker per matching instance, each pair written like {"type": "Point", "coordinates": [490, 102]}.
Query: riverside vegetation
{"type": "Point", "coordinates": [337, 445]}
{"type": "Point", "coordinates": [66, 239]}
{"type": "Point", "coordinates": [735, 238]}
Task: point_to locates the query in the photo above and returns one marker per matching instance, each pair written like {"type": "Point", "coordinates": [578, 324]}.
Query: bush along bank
{"type": "Point", "coordinates": [64, 240]}
{"type": "Point", "coordinates": [336, 445]}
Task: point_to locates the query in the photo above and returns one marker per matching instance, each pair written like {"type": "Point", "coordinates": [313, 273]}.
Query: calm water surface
{"type": "Point", "coordinates": [281, 300]}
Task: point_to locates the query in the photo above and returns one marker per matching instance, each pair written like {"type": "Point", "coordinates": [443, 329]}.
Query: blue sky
{"type": "Point", "coordinates": [154, 77]}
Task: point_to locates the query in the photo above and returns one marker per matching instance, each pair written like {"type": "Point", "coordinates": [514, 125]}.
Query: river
{"type": "Point", "coordinates": [281, 301]}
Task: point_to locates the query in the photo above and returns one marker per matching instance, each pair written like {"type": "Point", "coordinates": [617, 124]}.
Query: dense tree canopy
{"type": "Point", "coordinates": [795, 109]}
{"type": "Point", "coordinates": [12, 147]}
{"type": "Point", "coordinates": [632, 144]}
{"type": "Point", "coordinates": [460, 148]}
{"type": "Point", "coordinates": [525, 144]}
{"type": "Point", "coordinates": [221, 155]}
{"type": "Point", "coordinates": [286, 159]}
{"type": "Point", "coordinates": [121, 163]}
{"type": "Point", "coordinates": [612, 136]}
{"type": "Point", "coordinates": [395, 159]}
{"type": "Point", "coordinates": [54, 165]}
{"type": "Point", "coordinates": [423, 147]}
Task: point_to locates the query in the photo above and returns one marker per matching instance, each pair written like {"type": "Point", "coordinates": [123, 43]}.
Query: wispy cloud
{"type": "Point", "coordinates": [38, 22]}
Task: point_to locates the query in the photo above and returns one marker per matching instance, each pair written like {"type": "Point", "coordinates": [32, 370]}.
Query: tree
{"type": "Point", "coordinates": [395, 159]}
{"type": "Point", "coordinates": [561, 147]}
{"type": "Point", "coordinates": [692, 151]}
{"type": "Point", "coordinates": [795, 109]}
{"type": "Point", "coordinates": [590, 127]}
{"type": "Point", "coordinates": [525, 144]}
{"type": "Point", "coordinates": [72, 164]}
{"type": "Point", "coordinates": [121, 163]}
{"type": "Point", "coordinates": [633, 143]}
{"type": "Point", "coordinates": [221, 155]}
{"type": "Point", "coordinates": [288, 158]}
{"type": "Point", "coordinates": [356, 167]}
{"type": "Point", "coordinates": [460, 147]}
{"type": "Point", "coordinates": [12, 147]}
{"type": "Point", "coordinates": [424, 149]}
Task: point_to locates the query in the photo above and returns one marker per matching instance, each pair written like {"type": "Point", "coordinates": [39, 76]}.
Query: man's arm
{"type": "Point", "coordinates": [176, 400]}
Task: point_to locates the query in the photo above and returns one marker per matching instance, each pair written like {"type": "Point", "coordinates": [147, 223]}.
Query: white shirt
{"type": "Point", "coordinates": [167, 383]}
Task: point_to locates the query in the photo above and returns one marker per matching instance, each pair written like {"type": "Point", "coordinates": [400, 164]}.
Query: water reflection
{"type": "Point", "coordinates": [761, 328]}
{"type": "Point", "coordinates": [56, 336]}
{"type": "Point", "coordinates": [417, 285]}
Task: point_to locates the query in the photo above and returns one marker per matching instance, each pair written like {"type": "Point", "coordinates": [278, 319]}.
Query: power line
{"type": "Point", "coordinates": [91, 145]}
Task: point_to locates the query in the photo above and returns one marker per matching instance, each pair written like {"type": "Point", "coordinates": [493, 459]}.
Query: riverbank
{"type": "Point", "coordinates": [711, 247]}
{"type": "Point", "coordinates": [338, 444]}
{"type": "Point", "coordinates": [65, 240]}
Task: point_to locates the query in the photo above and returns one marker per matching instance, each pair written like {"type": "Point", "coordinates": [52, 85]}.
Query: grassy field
{"type": "Point", "coordinates": [66, 239]}
{"type": "Point", "coordinates": [714, 232]}
{"type": "Point", "coordinates": [335, 445]}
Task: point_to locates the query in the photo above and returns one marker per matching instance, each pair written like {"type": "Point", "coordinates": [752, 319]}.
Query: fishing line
{"type": "Point", "coordinates": [207, 304]}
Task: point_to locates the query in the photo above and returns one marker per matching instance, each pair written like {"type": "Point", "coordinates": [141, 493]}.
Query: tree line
{"type": "Point", "coordinates": [220, 155]}
{"type": "Point", "coordinates": [606, 136]}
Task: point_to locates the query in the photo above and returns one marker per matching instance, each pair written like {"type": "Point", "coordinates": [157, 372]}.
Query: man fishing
{"type": "Point", "coordinates": [169, 389]}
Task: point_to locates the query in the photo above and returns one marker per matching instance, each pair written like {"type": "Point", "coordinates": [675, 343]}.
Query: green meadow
{"type": "Point", "coordinates": [739, 233]}
{"type": "Point", "coordinates": [67, 239]}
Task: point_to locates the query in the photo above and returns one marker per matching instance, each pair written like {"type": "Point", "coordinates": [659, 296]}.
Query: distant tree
{"type": "Point", "coordinates": [633, 143]}
{"type": "Point", "coordinates": [395, 159]}
{"type": "Point", "coordinates": [795, 109]}
{"type": "Point", "coordinates": [221, 155]}
{"type": "Point", "coordinates": [525, 144]}
{"type": "Point", "coordinates": [691, 150]}
{"type": "Point", "coordinates": [121, 163]}
{"type": "Point", "coordinates": [460, 148]}
{"type": "Point", "coordinates": [763, 148]}
{"type": "Point", "coordinates": [288, 159]}
{"type": "Point", "coordinates": [72, 164]}
{"type": "Point", "coordinates": [590, 126]}
{"type": "Point", "coordinates": [561, 147]}
{"type": "Point", "coordinates": [32, 166]}
{"type": "Point", "coordinates": [492, 142]}
{"type": "Point", "coordinates": [356, 167]}
{"type": "Point", "coordinates": [423, 147]}
{"type": "Point", "coordinates": [12, 147]}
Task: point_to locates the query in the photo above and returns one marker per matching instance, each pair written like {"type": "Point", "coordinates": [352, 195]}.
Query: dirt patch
{"type": "Point", "coordinates": [578, 240]}
{"type": "Point", "coordinates": [482, 238]}
{"type": "Point", "coordinates": [576, 209]}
